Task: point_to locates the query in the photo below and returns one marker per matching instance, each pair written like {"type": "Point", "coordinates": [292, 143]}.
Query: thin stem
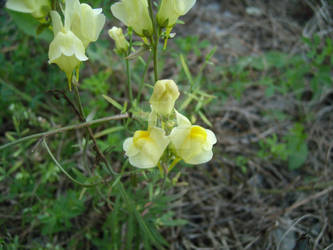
{"type": "Point", "coordinates": [155, 53]}
{"type": "Point", "coordinates": [64, 171]}
{"type": "Point", "coordinates": [78, 99]}
{"type": "Point", "coordinates": [173, 164]}
{"type": "Point", "coordinates": [143, 77]}
{"type": "Point", "coordinates": [160, 168]}
{"type": "Point", "coordinates": [129, 82]}
{"type": "Point", "coordinates": [155, 39]}
{"type": "Point", "coordinates": [18, 92]}
{"type": "Point", "coordinates": [63, 129]}
{"type": "Point", "coordinates": [91, 133]}
{"type": "Point", "coordinates": [128, 68]}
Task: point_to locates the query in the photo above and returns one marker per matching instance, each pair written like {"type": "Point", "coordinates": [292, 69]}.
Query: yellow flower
{"type": "Point", "coordinates": [164, 96]}
{"type": "Point", "coordinates": [145, 149]}
{"type": "Point", "coordinates": [117, 35]}
{"type": "Point", "coordinates": [86, 23]}
{"type": "Point", "coordinates": [134, 14]}
{"type": "Point", "coordinates": [192, 143]}
{"type": "Point", "coordinates": [170, 10]}
{"type": "Point", "coordinates": [66, 50]}
{"type": "Point", "coordinates": [37, 8]}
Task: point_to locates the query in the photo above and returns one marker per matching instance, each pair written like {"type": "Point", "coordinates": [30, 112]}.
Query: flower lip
{"type": "Point", "coordinates": [198, 133]}
{"type": "Point", "coordinates": [139, 136]}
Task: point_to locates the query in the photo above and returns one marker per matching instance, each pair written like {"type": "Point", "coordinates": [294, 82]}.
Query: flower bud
{"type": "Point", "coordinates": [117, 35]}
{"type": "Point", "coordinates": [192, 143]}
{"type": "Point", "coordinates": [164, 96]}
{"type": "Point", "coordinates": [145, 149]}
{"type": "Point", "coordinates": [134, 14]}
{"type": "Point", "coordinates": [86, 23]}
{"type": "Point", "coordinates": [170, 10]}
{"type": "Point", "coordinates": [66, 50]}
{"type": "Point", "coordinates": [37, 8]}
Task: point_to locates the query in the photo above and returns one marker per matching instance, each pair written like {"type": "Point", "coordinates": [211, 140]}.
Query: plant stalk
{"type": "Point", "coordinates": [155, 39]}
{"type": "Point", "coordinates": [63, 129]}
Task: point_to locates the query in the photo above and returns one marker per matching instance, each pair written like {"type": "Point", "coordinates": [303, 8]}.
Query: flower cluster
{"type": "Point", "coordinates": [192, 143]}
{"type": "Point", "coordinates": [135, 14]}
{"type": "Point", "coordinates": [82, 25]}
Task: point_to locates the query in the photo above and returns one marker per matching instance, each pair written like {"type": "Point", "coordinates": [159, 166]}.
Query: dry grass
{"type": "Point", "coordinates": [268, 207]}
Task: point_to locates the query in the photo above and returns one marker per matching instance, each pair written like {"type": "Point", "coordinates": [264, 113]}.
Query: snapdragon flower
{"type": "Point", "coordinates": [134, 14]}
{"type": "Point", "coordinates": [164, 96]}
{"type": "Point", "coordinates": [85, 22]}
{"type": "Point", "coordinates": [66, 50]}
{"type": "Point", "coordinates": [192, 143]}
{"type": "Point", "coordinates": [82, 25]}
{"type": "Point", "coordinates": [146, 147]}
{"type": "Point", "coordinates": [171, 10]}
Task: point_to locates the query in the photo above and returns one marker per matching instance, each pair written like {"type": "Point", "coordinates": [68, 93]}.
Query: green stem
{"type": "Point", "coordinates": [128, 68]}
{"type": "Point", "coordinates": [129, 82]}
{"type": "Point", "coordinates": [63, 129]}
{"type": "Point", "coordinates": [155, 39]}
{"type": "Point", "coordinates": [143, 77]}
{"type": "Point", "coordinates": [91, 134]}
{"type": "Point", "coordinates": [64, 171]}
{"type": "Point", "coordinates": [78, 99]}
{"type": "Point", "coordinates": [17, 91]}
{"type": "Point", "coordinates": [155, 52]}
{"type": "Point", "coordinates": [160, 168]}
{"type": "Point", "coordinates": [131, 206]}
{"type": "Point", "coordinates": [173, 164]}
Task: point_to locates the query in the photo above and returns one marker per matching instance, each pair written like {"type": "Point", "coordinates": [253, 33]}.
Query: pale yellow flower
{"type": "Point", "coordinates": [164, 96]}
{"type": "Point", "coordinates": [171, 10]}
{"type": "Point", "coordinates": [37, 8]}
{"type": "Point", "coordinates": [134, 14]}
{"type": "Point", "coordinates": [145, 148]}
{"type": "Point", "coordinates": [86, 23]}
{"type": "Point", "coordinates": [117, 35]}
{"type": "Point", "coordinates": [192, 143]}
{"type": "Point", "coordinates": [66, 50]}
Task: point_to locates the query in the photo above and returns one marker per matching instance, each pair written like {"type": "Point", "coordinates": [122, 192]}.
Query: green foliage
{"type": "Point", "coordinates": [31, 26]}
{"type": "Point", "coordinates": [297, 147]}
{"type": "Point", "coordinates": [126, 210]}
{"type": "Point", "coordinates": [292, 148]}
{"type": "Point", "coordinates": [271, 147]}
{"type": "Point", "coordinates": [241, 162]}
{"type": "Point", "coordinates": [58, 215]}
{"type": "Point", "coordinates": [283, 73]}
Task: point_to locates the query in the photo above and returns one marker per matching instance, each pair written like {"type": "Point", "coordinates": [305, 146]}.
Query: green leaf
{"type": "Point", "coordinates": [186, 69]}
{"type": "Point", "coordinates": [298, 155]}
{"type": "Point", "coordinates": [113, 102]}
{"type": "Point", "coordinates": [29, 25]}
{"type": "Point", "coordinates": [297, 147]}
{"type": "Point", "coordinates": [205, 119]}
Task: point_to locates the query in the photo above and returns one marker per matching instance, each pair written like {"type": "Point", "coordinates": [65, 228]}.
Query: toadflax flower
{"type": "Point", "coordinates": [145, 148]}
{"type": "Point", "coordinates": [190, 142]}
{"type": "Point", "coordinates": [37, 8]}
{"type": "Point", "coordinates": [164, 96]}
{"type": "Point", "coordinates": [117, 35]}
{"type": "Point", "coordinates": [134, 14]}
{"type": "Point", "coordinates": [86, 23]}
{"type": "Point", "coordinates": [171, 10]}
{"type": "Point", "coordinates": [66, 50]}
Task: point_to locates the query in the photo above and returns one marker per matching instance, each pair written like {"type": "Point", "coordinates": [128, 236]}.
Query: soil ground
{"type": "Point", "coordinates": [268, 207]}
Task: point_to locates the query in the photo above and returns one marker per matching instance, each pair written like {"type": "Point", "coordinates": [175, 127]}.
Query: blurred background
{"type": "Point", "coordinates": [263, 77]}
